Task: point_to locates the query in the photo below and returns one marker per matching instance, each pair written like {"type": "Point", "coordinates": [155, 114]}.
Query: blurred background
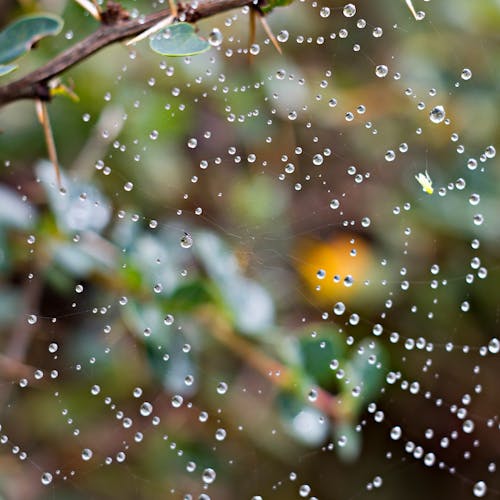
{"type": "Point", "coordinates": [243, 291]}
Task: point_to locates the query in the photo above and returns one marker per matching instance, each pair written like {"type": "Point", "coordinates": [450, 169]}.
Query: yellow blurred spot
{"type": "Point", "coordinates": [335, 270]}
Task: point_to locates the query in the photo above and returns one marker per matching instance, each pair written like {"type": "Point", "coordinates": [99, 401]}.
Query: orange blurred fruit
{"type": "Point", "coordinates": [335, 270]}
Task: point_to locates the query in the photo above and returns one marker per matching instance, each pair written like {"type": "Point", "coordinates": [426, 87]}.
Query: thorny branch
{"type": "Point", "coordinates": [115, 27]}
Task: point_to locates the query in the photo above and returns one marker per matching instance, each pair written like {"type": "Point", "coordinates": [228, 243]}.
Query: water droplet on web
{"type": "Point", "coordinates": [87, 454]}
{"type": "Point", "coordinates": [146, 409]}
{"type": "Point", "coordinates": [304, 490]}
{"type": "Point", "coordinates": [390, 155]}
{"type": "Point", "coordinates": [254, 49]}
{"type": "Point", "coordinates": [334, 204]}
{"type": "Point", "coordinates": [186, 241]}
{"type": "Point", "coordinates": [349, 10]}
{"type": "Point", "coordinates": [192, 143]}
{"type": "Point", "coordinates": [177, 401]}
{"type": "Point", "coordinates": [220, 434]}
{"type": "Point", "coordinates": [437, 114]}
{"type": "Point", "coordinates": [478, 219]}
{"type": "Point", "coordinates": [381, 70]}
{"type": "Point", "coordinates": [222, 388]}
{"type": "Point", "coordinates": [466, 74]}
{"type": "Point", "coordinates": [318, 159]}
{"type": "Point", "coordinates": [208, 476]}
{"type": "Point", "coordinates": [474, 199]}
{"type": "Point", "coordinates": [32, 319]}
{"type": "Point", "coordinates": [348, 281]}
{"type": "Point", "coordinates": [169, 319]}
{"type": "Point", "coordinates": [283, 36]}
{"type": "Point", "coordinates": [479, 489]}
{"type": "Point", "coordinates": [215, 37]}
{"type": "Point", "coordinates": [490, 152]}
{"type": "Point", "coordinates": [339, 308]}
{"type": "Point", "coordinates": [324, 12]}
{"type": "Point", "coordinates": [46, 478]}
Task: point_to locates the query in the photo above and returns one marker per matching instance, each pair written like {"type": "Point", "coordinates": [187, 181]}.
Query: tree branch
{"type": "Point", "coordinates": [115, 27]}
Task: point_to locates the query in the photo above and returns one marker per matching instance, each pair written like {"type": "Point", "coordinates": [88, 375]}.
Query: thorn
{"type": "Point", "coordinates": [269, 33]}
{"type": "Point", "coordinates": [174, 11]}
{"type": "Point", "coordinates": [412, 9]}
{"type": "Point", "coordinates": [252, 30]}
{"type": "Point", "coordinates": [91, 7]}
{"type": "Point", "coordinates": [43, 118]}
{"type": "Point", "coordinates": [151, 31]}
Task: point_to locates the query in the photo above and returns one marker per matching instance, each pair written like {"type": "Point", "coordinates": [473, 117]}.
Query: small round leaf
{"type": "Point", "coordinates": [20, 36]}
{"type": "Point", "coordinates": [178, 40]}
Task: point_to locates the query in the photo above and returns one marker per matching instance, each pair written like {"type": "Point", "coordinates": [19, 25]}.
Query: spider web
{"type": "Point", "coordinates": [243, 290]}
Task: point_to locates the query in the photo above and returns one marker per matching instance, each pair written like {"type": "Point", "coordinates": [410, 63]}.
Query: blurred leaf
{"type": "Point", "coordinates": [271, 4]}
{"type": "Point", "coordinates": [20, 36]}
{"type": "Point", "coordinates": [317, 354]}
{"type": "Point", "coordinates": [14, 212]}
{"type": "Point", "coordinates": [305, 423]}
{"type": "Point", "coordinates": [348, 441]}
{"type": "Point", "coordinates": [146, 322]}
{"type": "Point", "coordinates": [81, 207]}
{"type": "Point", "coordinates": [191, 295]}
{"type": "Point", "coordinates": [5, 69]}
{"type": "Point", "coordinates": [178, 40]}
{"type": "Point", "coordinates": [250, 305]}
{"type": "Point", "coordinates": [10, 300]}
{"type": "Point", "coordinates": [74, 259]}
{"type": "Point", "coordinates": [363, 376]}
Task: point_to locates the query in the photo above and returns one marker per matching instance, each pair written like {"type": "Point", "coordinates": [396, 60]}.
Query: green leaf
{"type": "Point", "coordinates": [20, 36]}
{"type": "Point", "coordinates": [74, 212]}
{"type": "Point", "coordinates": [249, 304]}
{"type": "Point", "coordinates": [14, 212]}
{"type": "Point", "coordinates": [271, 4]}
{"type": "Point", "coordinates": [304, 422]}
{"type": "Point", "coordinates": [178, 40]}
{"type": "Point", "coordinates": [5, 69]}
{"type": "Point", "coordinates": [348, 441]}
{"type": "Point", "coordinates": [363, 371]}
{"type": "Point", "coordinates": [317, 354]}
{"type": "Point", "coordinates": [192, 295]}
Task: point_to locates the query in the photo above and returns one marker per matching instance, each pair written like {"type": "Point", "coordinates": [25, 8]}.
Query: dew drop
{"type": "Point", "coordinates": [437, 114]}
{"type": "Point", "coordinates": [146, 409]}
{"type": "Point", "coordinates": [466, 74]}
{"type": "Point", "coordinates": [381, 70]}
{"type": "Point", "coordinates": [479, 489]}
{"type": "Point", "coordinates": [186, 241]}
{"type": "Point", "coordinates": [349, 10]}
{"type": "Point", "coordinates": [215, 37]}
{"type": "Point", "coordinates": [208, 476]}
{"type": "Point", "coordinates": [325, 12]}
{"type": "Point", "coordinates": [46, 478]}
{"type": "Point", "coordinates": [339, 308]}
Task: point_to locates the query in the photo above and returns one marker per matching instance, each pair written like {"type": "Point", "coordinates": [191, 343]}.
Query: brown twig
{"type": "Point", "coordinates": [114, 28]}
{"type": "Point", "coordinates": [43, 117]}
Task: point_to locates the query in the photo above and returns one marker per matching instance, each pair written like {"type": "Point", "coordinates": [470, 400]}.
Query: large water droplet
{"type": "Point", "coordinates": [437, 115]}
